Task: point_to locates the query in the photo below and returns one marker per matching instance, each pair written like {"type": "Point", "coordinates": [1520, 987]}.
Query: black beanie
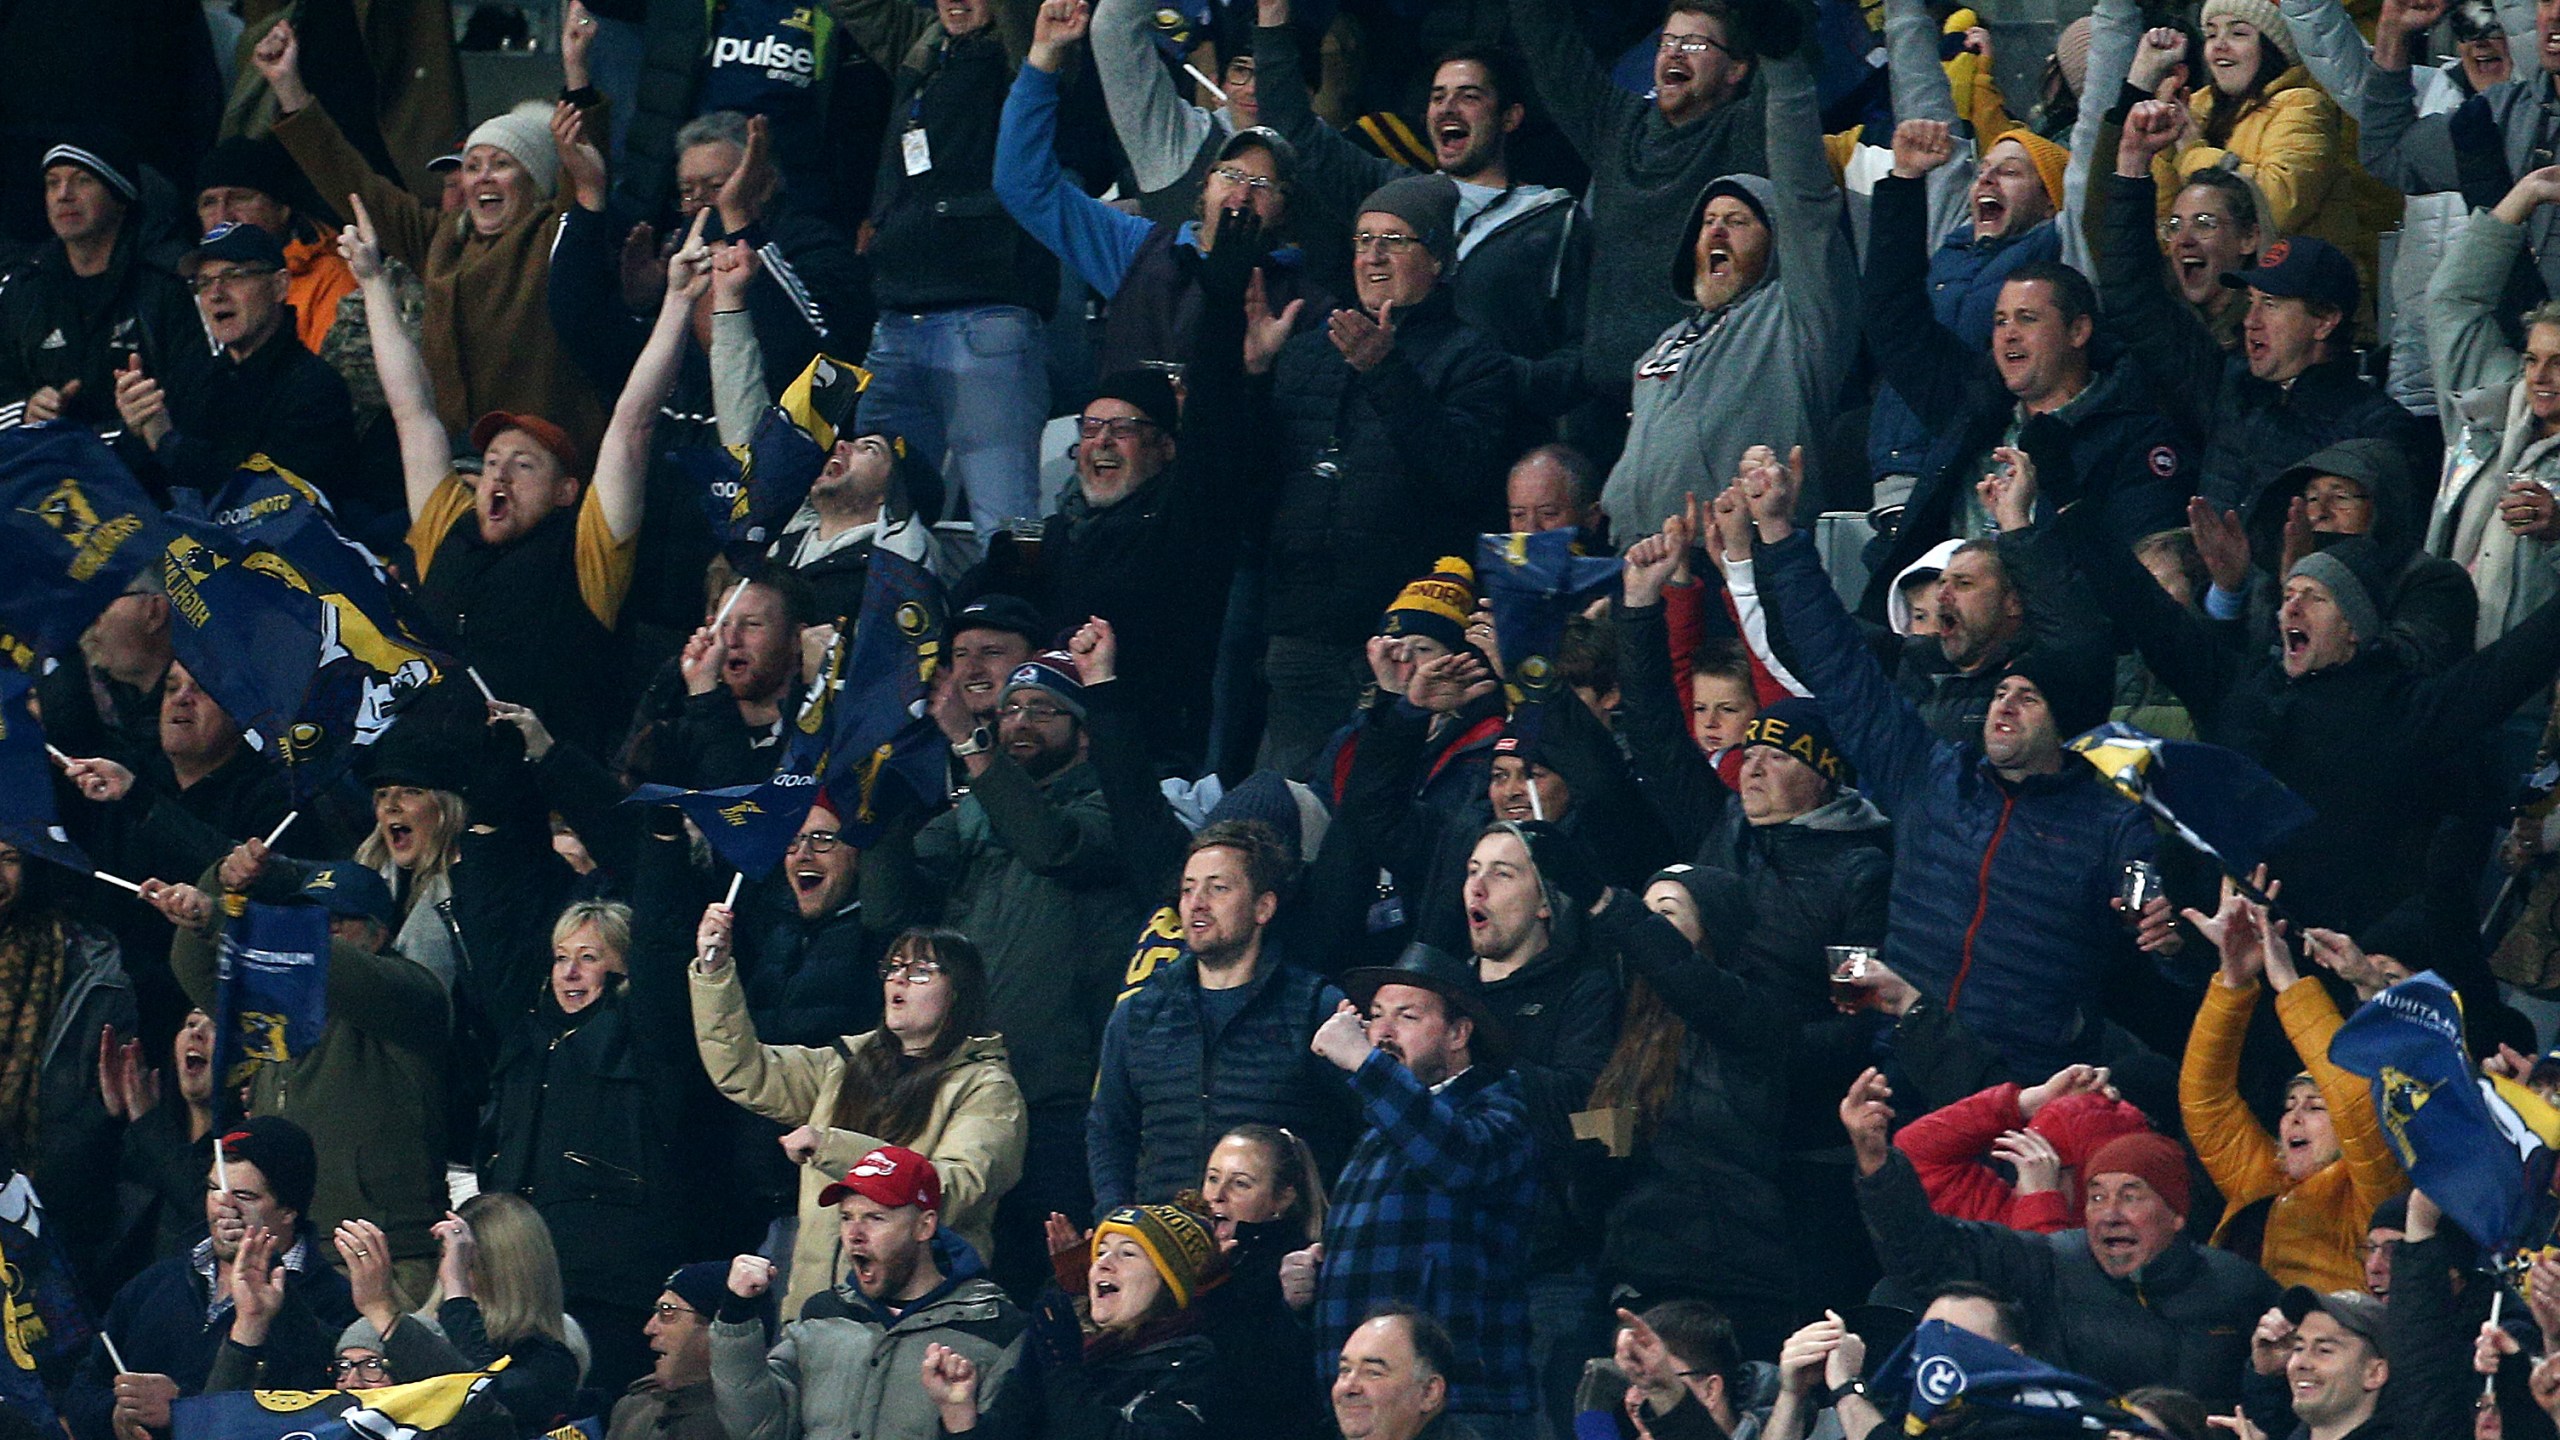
{"type": "Point", "coordinates": [2078, 692]}
{"type": "Point", "coordinates": [259, 164]}
{"type": "Point", "coordinates": [1147, 390]}
{"type": "Point", "coordinates": [282, 1152]}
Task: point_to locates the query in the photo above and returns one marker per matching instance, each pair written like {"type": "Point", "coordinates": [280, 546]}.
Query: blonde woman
{"type": "Point", "coordinates": [498, 1293]}
{"type": "Point", "coordinates": [418, 819]}
{"type": "Point", "coordinates": [929, 1078]}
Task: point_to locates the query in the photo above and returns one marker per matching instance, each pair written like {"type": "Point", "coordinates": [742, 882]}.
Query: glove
{"type": "Point", "coordinates": [1240, 245]}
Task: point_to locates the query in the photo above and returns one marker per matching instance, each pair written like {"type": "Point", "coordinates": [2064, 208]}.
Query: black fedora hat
{"type": "Point", "coordinates": [1452, 978]}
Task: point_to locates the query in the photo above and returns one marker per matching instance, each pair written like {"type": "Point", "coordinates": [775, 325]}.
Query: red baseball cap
{"type": "Point", "coordinates": [550, 437]}
{"type": "Point", "coordinates": [892, 1175]}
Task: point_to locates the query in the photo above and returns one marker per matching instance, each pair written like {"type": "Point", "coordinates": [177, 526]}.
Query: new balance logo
{"type": "Point", "coordinates": [53, 341]}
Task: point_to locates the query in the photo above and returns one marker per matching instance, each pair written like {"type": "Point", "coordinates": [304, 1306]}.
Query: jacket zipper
{"type": "Point", "coordinates": [1981, 899]}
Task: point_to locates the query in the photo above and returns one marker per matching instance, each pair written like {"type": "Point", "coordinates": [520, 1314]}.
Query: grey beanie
{"type": "Point", "coordinates": [1428, 203]}
{"type": "Point", "coordinates": [360, 1335]}
{"type": "Point", "coordinates": [2337, 569]}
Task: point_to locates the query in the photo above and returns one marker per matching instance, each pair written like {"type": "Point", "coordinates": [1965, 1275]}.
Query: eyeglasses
{"type": "Point", "coordinates": [219, 278]}
{"type": "Point", "coordinates": [1036, 714]}
{"type": "Point", "coordinates": [819, 842]}
{"type": "Point", "coordinates": [1695, 45]}
{"type": "Point", "coordinates": [374, 1369]}
{"type": "Point", "coordinates": [665, 1311]}
{"type": "Point", "coordinates": [914, 972]}
{"type": "Point", "coordinates": [1368, 240]}
{"type": "Point", "coordinates": [1233, 175]}
{"type": "Point", "coordinates": [1123, 427]}
{"type": "Point", "coordinates": [2171, 227]}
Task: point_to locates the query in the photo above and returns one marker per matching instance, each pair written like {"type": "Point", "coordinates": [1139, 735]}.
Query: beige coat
{"type": "Point", "coordinates": [974, 1134]}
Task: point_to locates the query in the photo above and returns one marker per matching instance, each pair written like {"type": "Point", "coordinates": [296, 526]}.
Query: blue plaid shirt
{"type": "Point", "coordinates": [217, 1300]}
{"type": "Point", "coordinates": [1433, 1210]}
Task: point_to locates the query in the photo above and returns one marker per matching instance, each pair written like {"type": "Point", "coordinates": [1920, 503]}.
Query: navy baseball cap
{"type": "Point", "coordinates": [346, 888]}
{"type": "Point", "coordinates": [2305, 267]}
{"type": "Point", "coordinates": [240, 243]}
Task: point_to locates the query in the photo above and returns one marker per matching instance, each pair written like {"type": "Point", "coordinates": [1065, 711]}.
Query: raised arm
{"type": "Point", "coordinates": [2466, 298]}
{"type": "Point", "coordinates": [1814, 261]}
{"type": "Point", "coordinates": [328, 161]}
{"type": "Point", "coordinates": [1099, 241]}
{"type": "Point", "coordinates": [2115, 28]}
{"type": "Point", "coordinates": [2396, 145]}
{"type": "Point", "coordinates": [1160, 131]}
{"type": "Point", "coordinates": [1926, 363]}
{"type": "Point", "coordinates": [1580, 98]}
{"type": "Point", "coordinates": [622, 460]}
{"type": "Point", "coordinates": [2175, 350]}
{"type": "Point", "coordinates": [885, 29]}
{"type": "Point", "coordinates": [426, 452]}
{"type": "Point", "coordinates": [1329, 165]}
{"type": "Point", "coordinates": [1882, 734]}
{"type": "Point", "coordinates": [2333, 50]}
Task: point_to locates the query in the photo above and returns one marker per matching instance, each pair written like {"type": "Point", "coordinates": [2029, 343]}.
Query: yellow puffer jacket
{"type": "Point", "coordinates": [2299, 149]}
{"type": "Point", "coordinates": [2315, 1230]}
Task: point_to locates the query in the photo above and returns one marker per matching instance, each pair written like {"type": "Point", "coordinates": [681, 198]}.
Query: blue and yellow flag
{"type": "Point", "coordinates": [271, 987]}
{"type": "Point", "coordinates": [750, 491]}
{"type": "Point", "coordinates": [44, 1329]}
{"type": "Point", "coordinates": [1536, 584]}
{"type": "Point", "coordinates": [2444, 1124]}
{"type": "Point", "coordinates": [2217, 800]}
{"type": "Point", "coordinates": [1942, 1372]}
{"type": "Point", "coordinates": [27, 816]}
{"type": "Point", "coordinates": [882, 731]}
{"type": "Point", "coordinates": [863, 721]}
{"type": "Point", "coordinates": [309, 672]}
{"type": "Point", "coordinates": [394, 1412]}
{"type": "Point", "coordinates": [74, 531]}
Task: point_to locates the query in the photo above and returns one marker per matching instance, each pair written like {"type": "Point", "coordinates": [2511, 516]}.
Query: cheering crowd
{"type": "Point", "coordinates": [1476, 828]}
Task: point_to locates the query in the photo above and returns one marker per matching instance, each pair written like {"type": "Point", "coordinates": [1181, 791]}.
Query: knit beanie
{"type": "Point", "coordinates": [2049, 159]}
{"type": "Point", "coordinates": [705, 1285]}
{"type": "Point", "coordinates": [1293, 811]}
{"type": "Point", "coordinates": [1053, 673]}
{"type": "Point", "coordinates": [2263, 17]}
{"type": "Point", "coordinates": [1725, 911]}
{"type": "Point", "coordinates": [1428, 203]}
{"type": "Point", "coordinates": [2349, 569]}
{"type": "Point", "coordinates": [525, 133]}
{"type": "Point", "coordinates": [2077, 691]}
{"type": "Point", "coordinates": [1795, 727]}
{"type": "Point", "coordinates": [1146, 391]}
{"type": "Point", "coordinates": [2153, 1158]}
{"type": "Point", "coordinates": [244, 163]}
{"type": "Point", "coordinates": [1177, 1243]}
{"type": "Point", "coordinates": [2080, 1125]}
{"type": "Point", "coordinates": [360, 1333]}
{"type": "Point", "coordinates": [102, 154]}
{"type": "Point", "coordinates": [2071, 52]}
{"type": "Point", "coordinates": [1437, 606]}
{"type": "Point", "coordinates": [282, 1152]}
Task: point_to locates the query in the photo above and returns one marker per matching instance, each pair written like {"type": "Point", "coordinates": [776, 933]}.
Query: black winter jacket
{"type": "Point", "coordinates": [76, 1144]}
{"type": "Point", "coordinates": [1379, 473]}
{"type": "Point", "coordinates": [1698, 1209]}
{"type": "Point", "coordinates": [1157, 563]}
{"type": "Point", "coordinates": [2374, 747]}
{"type": "Point", "coordinates": [283, 402]}
{"type": "Point", "coordinates": [1820, 879]}
{"type": "Point", "coordinates": [943, 239]}
{"type": "Point", "coordinates": [1170, 1085]}
{"type": "Point", "coordinates": [2128, 456]}
{"type": "Point", "coordinates": [2183, 1321]}
{"type": "Point", "coordinates": [56, 327]}
{"type": "Point", "coordinates": [2254, 428]}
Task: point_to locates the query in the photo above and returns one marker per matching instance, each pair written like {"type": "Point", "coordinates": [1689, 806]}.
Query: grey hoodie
{"type": "Point", "coordinates": [1762, 370]}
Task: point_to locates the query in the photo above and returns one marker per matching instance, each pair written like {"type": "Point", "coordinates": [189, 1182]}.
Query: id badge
{"type": "Point", "coordinates": [912, 146]}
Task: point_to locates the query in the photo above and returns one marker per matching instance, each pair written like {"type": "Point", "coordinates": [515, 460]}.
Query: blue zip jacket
{"type": "Point", "coordinates": [2000, 890]}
